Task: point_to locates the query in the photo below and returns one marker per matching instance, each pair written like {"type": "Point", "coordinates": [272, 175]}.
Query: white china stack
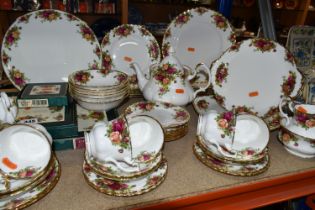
{"type": "Point", "coordinates": [297, 133]}
{"type": "Point", "coordinates": [124, 156]}
{"type": "Point", "coordinates": [173, 119]}
{"type": "Point", "coordinates": [98, 90]}
{"type": "Point", "coordinates": [232, 144]}
{"type": "Point", "coordinates": [28, 169]}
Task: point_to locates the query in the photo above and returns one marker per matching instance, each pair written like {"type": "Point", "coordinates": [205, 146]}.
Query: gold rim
{"type": "Point", "coordinates": [140, 192]}
{"type": "Point", "coordinates": [31, 184]}
{"type": "Point", "coordinates": [42, 194]}
{"type": "Point", "coordinates": [121, 178]}
{"type": "Point", "coordinates": [39, 174]}
{"type": "Point", "coordinates": [243, 174]}
{"type": "Point", "coordinates": [224, 158]}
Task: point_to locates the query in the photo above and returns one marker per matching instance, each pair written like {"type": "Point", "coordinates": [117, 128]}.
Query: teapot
{"type": "Point", "coordinates": [169, 81]}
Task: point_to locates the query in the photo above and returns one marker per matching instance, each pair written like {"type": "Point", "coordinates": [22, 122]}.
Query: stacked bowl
{"type": "Point", "coordinates": [124, 156]}
{"type": "Point", "coordinates": [173, 119]}
{"type": "Point", "coordinates": [232, 144]}
{"type": "Point", "coordinates": [98, 90]}
{"type": "Point", "coordinates": [28, 168]}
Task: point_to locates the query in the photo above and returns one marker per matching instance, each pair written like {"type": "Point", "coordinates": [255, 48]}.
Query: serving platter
{"type": "Point", "coordinates": [253, 75]}
{"type": "Point", "coordinates": [198, 35]}
{"type": "Point", "coordinates": [126, 44]}
{"type": "Point", "coordinates": [125, 188]}
{"type": "Point", "coordinates": [46, 46]}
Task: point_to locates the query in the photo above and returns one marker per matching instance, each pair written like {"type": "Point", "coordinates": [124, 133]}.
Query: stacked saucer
{"type": "Point", "coordinates": [98, 90]}
{"type": "Point", "coordinates": [173, 119]}
{"type": "Point", "coordinates": [28, 168]}
{"type": "Point", "coordinates": [124, 156]}
{"type": "Point", "coordinates": [235, 145]}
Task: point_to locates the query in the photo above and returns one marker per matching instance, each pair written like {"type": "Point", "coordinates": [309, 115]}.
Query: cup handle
{"type": "Point", "coordinates": [197, 69]}
{"type": "Point", "coordinates": [225, 153]}
{"type": "Point", "coordinates": [118, 164]}
{"type": "Point", "coordinates": [281, 104]}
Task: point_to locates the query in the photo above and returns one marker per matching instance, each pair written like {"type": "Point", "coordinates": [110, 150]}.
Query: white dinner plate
{"type": "Point", "coordinates": [198, 35]}
{"type": "Point", "coordinates": [253, 75]}
{"type": "Point", "coordinates": [46, 46]}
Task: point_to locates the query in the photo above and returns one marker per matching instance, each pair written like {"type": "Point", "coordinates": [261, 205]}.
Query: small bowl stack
{"type": "Point", "coordinates": [98, 91]}
{"type": "Point", "coordinates": [173, 119]}
{"type": "Point", "coordinates": [28, 168]}
{"type": "Point", "coordinates": [124, 157]}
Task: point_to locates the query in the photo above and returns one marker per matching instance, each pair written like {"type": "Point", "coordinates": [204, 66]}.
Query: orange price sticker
{"type": "Point", "coordinates": [253, 94]}
{"type": "Point", "coordinates": [191, 49]}
{"type": "Point", "coordinates": [128, 59]}
{"type": "Point", "coordinates": [180, 91]}
{"type": "Point", "coordinates": [301, 109]}
{"type": "Point", "coordinates": [7, 162]}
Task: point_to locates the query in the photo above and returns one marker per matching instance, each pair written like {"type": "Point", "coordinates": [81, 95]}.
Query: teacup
{"type": "Point", "coordinates": [234, 135]}
{"type": "Point", "coordinates": [125, 142]}
{"type": "Point", "coordinates": [303, 114]}
{"type": "Point", "coordinates": [25, 151]}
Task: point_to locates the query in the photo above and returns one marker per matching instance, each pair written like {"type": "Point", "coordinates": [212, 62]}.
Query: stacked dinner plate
{"type": "Point", "coordinates": [28, 168]}
{"type": "Point", "coordinates": [232, 146]}
{"type": "Point", "coordinates": [97, 89]}
{"type": "Point", "coordinates": [124, 157]}
{"type": "Point", "coordinates": [173, 119]}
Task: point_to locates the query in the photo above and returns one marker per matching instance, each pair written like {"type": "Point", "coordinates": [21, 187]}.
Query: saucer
{"type": "Point", "coordinates": [111, 171]}
{"type": "Point", "coordinates": [35, 193]}
{"type": "Point", "coordinates": [231, 168]}
{"type": "Point", "coordinates": [126, 188]}
{"type": "Point", "coordinates": [294, 127]}
{"type": "Point", "coordinates": [26, 151]}
{"type": "Point", "coordinates": [212, 150]}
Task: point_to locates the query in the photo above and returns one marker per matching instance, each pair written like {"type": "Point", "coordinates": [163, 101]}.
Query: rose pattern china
{"type": "Point", "coordinates": [240, 75]}
{"type": "Point", "coordinates": [63, 41]}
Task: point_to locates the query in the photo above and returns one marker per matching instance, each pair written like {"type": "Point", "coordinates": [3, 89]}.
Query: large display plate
{"type": "Point", "coordinates": [46, 46]}
{"type": "Point", "coordinates": [198, 35]}
{"type": "Point", "coordinates": [253, 75]}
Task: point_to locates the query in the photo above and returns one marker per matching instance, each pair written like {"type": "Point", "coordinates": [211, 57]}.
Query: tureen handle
{"type": "Point", "coordinates": [281, 104]}
{"type": "Point", "coordinates": [207, 70]}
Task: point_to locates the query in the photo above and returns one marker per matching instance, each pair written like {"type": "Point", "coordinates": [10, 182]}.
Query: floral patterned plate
{"type": "Point", "coordinates": [198, 35]}
{"type": "Point", "coordinates": [126, 44]}
{"type": "Point", "coordinates": [166, 114]}
{"type": "Point", "coordinates": [231, 168]}
{"type": "Point", "coordinates": [25, 152]}
{"type": "Point", "coordinates": [203, 104]}
{"type": "Point", "coordinates": [132, 187]}
{"type": "Point", "coordinates": [111, 171]}
{"type": "Point", "coordinates": [34, 194]}
{"type": "Point", "coordinates": [301, 42]}
{"type": "Point", "coordinates": [253, 75]}
{"type": "Point", "coordinates": [212, 150]}
{"type": "Point", "coordinates": [46, 46]}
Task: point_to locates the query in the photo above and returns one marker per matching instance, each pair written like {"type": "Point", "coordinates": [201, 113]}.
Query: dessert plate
{"type": "Point", "coordinates": [166, 114]}
{"type": "Point", "coordinates": [198, 35]}
{"type": "Point", "coordinates": [126, 44]}
{"type": "Point", "coordinates": [25, 152]}
{"type": "Point", "coordinates": [131, 187]}
{"type": "Point", "coordinates": [34, 194]}
{"type": "Point", "coordinates": [231, 168]}
{"type": "Point", "coordinates": [46, 46]}
{"type": "Point", "coordinates": [253, 75]}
